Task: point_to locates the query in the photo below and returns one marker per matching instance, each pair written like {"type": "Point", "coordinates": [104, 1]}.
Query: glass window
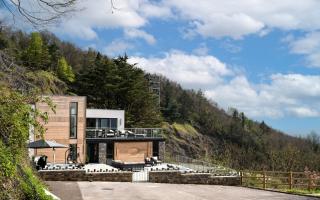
{"type": "Point", "coordinates": [108, 123]}
{"type": "Point", "coordinates": [91, 123]}
{"type": "Point", "coordinates": [73, 119]}
{"type": "Point", "coordinates": [113, 123]}
{"type": "Point", "coordinates": [73, 152]}
{"type": "Point", "coordinates": [104, 123]}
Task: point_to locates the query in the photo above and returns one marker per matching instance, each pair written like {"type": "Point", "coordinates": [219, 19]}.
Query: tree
{"type": "Point", "coordinates": [314, 139]}
{"type": "Point", "coordinates": [38, 12]}
{"type": "Point", "coordinates": [64, 71]}
{"type": "Point", "coordinates": [116, 84]}
{"type": "Point", "coordinates": [36, 56]}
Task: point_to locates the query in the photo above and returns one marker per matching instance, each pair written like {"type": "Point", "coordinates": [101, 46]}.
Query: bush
{"type": "Point", "coordinates": [32, 188]}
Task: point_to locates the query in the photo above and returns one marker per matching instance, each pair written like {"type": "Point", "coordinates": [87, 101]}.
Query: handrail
{"type": "Point", "coordinates": [104, 132]}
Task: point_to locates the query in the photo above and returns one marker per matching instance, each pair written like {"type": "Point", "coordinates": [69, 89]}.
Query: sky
{"type": "Point", "coordinates": [259, 56]}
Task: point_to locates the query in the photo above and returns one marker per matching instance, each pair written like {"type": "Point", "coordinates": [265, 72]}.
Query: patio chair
{"type": "Point", "coordinates": [130, 134]}
{"type": "Point", "coordinates": [122, 133]}
{"type": "Point", "coordinates": [141, 134]}
{"type": "Point", "coordinates": [156, 160]}
{"type": "Point", "coordinates": [148, 161]}
{"type": "Point", "coordinates": [110, 133]}
{"type": "Point", "coordinates": [100, 133]}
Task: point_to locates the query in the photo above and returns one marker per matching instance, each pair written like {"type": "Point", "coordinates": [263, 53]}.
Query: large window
{"type": "Point", "coordinates": [73, 119]}
{"type": "Point", "coordinates": [109, 123]}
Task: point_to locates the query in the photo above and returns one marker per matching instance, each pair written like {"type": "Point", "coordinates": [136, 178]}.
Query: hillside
{"type": "Point", "coordinates": [194, 126]}
{"type": "Point", "coordinates": [230, 139]}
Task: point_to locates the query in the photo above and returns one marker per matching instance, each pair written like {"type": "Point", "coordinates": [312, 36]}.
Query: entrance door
{"type": "Point", "coordinates": [93, 153]}
{"type": "Point", "coordinates": [155, 148]}
{"type": "Point", "coordinates": [110, 152]}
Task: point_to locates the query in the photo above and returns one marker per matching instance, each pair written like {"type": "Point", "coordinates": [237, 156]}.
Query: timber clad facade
{"type": "Point", "coordinates": [95, 135]}
{"type": "Point", "coordinates": [134, 152]}
{"type": "Point", "coordinates": [64, 129]}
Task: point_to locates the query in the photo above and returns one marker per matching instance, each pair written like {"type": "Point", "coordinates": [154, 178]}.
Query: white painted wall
{"type": "Point", "coordinates": [105, 113]}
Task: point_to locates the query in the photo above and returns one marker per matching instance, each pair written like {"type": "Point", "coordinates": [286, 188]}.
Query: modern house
{"type": "Point", "coordinates": [96, 135]}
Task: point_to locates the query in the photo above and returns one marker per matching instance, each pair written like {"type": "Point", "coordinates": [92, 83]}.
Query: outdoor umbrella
{"type": "Point", "coordinates": [42, 144]}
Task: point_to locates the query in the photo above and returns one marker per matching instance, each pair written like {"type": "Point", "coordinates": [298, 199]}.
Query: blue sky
{"type": "Point", "coordinates": [262, 57]}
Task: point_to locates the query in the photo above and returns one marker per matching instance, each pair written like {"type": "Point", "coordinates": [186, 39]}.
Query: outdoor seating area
{"type": "Point", "coordinates": [152, 161]}
{"type": "Point", "coordinates": [92, 132]}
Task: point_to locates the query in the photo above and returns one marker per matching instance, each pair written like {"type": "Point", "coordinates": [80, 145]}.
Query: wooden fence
{"type": "Point", "coordinates": [280, 180]}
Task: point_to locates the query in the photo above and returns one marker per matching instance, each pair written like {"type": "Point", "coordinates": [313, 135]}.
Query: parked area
{"type": "Point", "coordinates": [154, 191]}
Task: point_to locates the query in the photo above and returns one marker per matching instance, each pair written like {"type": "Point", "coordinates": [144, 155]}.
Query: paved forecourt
{"type": "Point", "coordinates": [156, 191]}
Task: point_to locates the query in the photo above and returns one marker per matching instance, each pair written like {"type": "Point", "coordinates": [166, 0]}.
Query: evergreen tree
{"type": "Point", "coordinates": [115, 84]}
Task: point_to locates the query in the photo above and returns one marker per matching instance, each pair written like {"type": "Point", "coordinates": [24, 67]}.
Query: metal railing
{"type": "Point", "coordinates": [93, 132]}
{"type": "Point", "coordinates": [201, 166]}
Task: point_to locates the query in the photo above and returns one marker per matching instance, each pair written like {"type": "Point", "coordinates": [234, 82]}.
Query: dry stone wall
{"type": "Point", "coordinates": [192, 178]}
{"type": "Point", "coordinates": [82, 175]}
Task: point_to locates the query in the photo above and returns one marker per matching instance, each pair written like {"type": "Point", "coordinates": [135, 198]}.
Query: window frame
{"type": "Point", "coordinates": [75, 125]}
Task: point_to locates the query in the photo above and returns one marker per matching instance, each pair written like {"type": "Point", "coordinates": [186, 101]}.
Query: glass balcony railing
{"type": "Point", "coordinates": [93, 132]}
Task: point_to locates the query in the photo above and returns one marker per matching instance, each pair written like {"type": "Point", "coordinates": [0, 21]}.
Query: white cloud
{"type": "Point", "coordinates": [157, 10]}
{"type": "Point", "coordinates": [202, 50]}
{"type": "Point", "coordinates": [231, 47]}
{"type": "Point", "coordinates": [304, 112]}
{"type": "Point", "coordinates": [234, 25]}
{"type": "Point", "coordinates": [135, 33]}
{"type": "Point", "coordinates": [234, 18]}
{"type": "Point", "coordinates": [187, 69]}
{"type": "Point", "coordinates": [286, 94]}
{"type": "Point", "coordinates": [308, 45]}
{"type": "Point", "coordinates": [98, 15]}
{"type": "Point", "coordinates": [281, 95]}
{"type": "Point", "coordinates": [117, 47]}
{"type": "Point", "coordinates": [209, 18]}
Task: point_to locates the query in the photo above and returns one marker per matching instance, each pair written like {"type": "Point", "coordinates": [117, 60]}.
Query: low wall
{"type": "Point", "coordinates": [192, 178]}
{"type": "Point", "coordinates": [82, 175]}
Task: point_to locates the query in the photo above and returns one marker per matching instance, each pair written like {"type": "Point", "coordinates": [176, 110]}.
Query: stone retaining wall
{"type": "Point", "coordinates": [82, 175]}
{"type": "Point", "coordinates": [173, 177]}
{"type": "Point", "coordinates": [192, 178]}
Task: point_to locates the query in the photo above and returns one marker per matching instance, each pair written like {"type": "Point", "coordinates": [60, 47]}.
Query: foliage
{"type": "Point", "coordinates": [115, 84]}
{"type": "Point", "coordinates": [36, 56]}
{"type": "Point", "coordinates": [65, 71]}
{"type": "Point", "coordinates": [16, 116]}
{"type": "Point", "coordinates": [196, 126]}
{"type": "Point", "coordinates": [32, 188]}
{"type": "Point", "coordinates": [6, 165]}
{"type": "Point", "coordinates": [185, 129]}
{"type": "Point", "coordinates": [312, 193]}
{"type": "Point", "coordinates": [230, 138]}
{"type": "Point", "coordinates": [46, 83]}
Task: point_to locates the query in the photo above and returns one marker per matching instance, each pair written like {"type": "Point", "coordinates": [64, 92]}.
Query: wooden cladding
{"type": "Point", "coordinates": [58, 126]}
{"type": "Point", "coordinates": [132, 151]}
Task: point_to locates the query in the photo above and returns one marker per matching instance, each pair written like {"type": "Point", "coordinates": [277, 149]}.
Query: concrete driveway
{"type": "Point", "coordinates": [155, 191]}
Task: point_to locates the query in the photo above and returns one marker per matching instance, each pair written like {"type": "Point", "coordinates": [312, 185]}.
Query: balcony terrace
{"type": "Point", "coordinates": [103, 134]}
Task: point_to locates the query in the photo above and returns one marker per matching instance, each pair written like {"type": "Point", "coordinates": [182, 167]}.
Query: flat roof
{"type": "Point", "coordinates": [99, 109]}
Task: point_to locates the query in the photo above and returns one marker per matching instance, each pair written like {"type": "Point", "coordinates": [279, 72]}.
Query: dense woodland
{"type": "Point", "coordinates": [43, 64]}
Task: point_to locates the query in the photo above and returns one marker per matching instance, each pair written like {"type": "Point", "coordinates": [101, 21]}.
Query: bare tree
{"type": "Point", "coordinates": [38, 12]}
